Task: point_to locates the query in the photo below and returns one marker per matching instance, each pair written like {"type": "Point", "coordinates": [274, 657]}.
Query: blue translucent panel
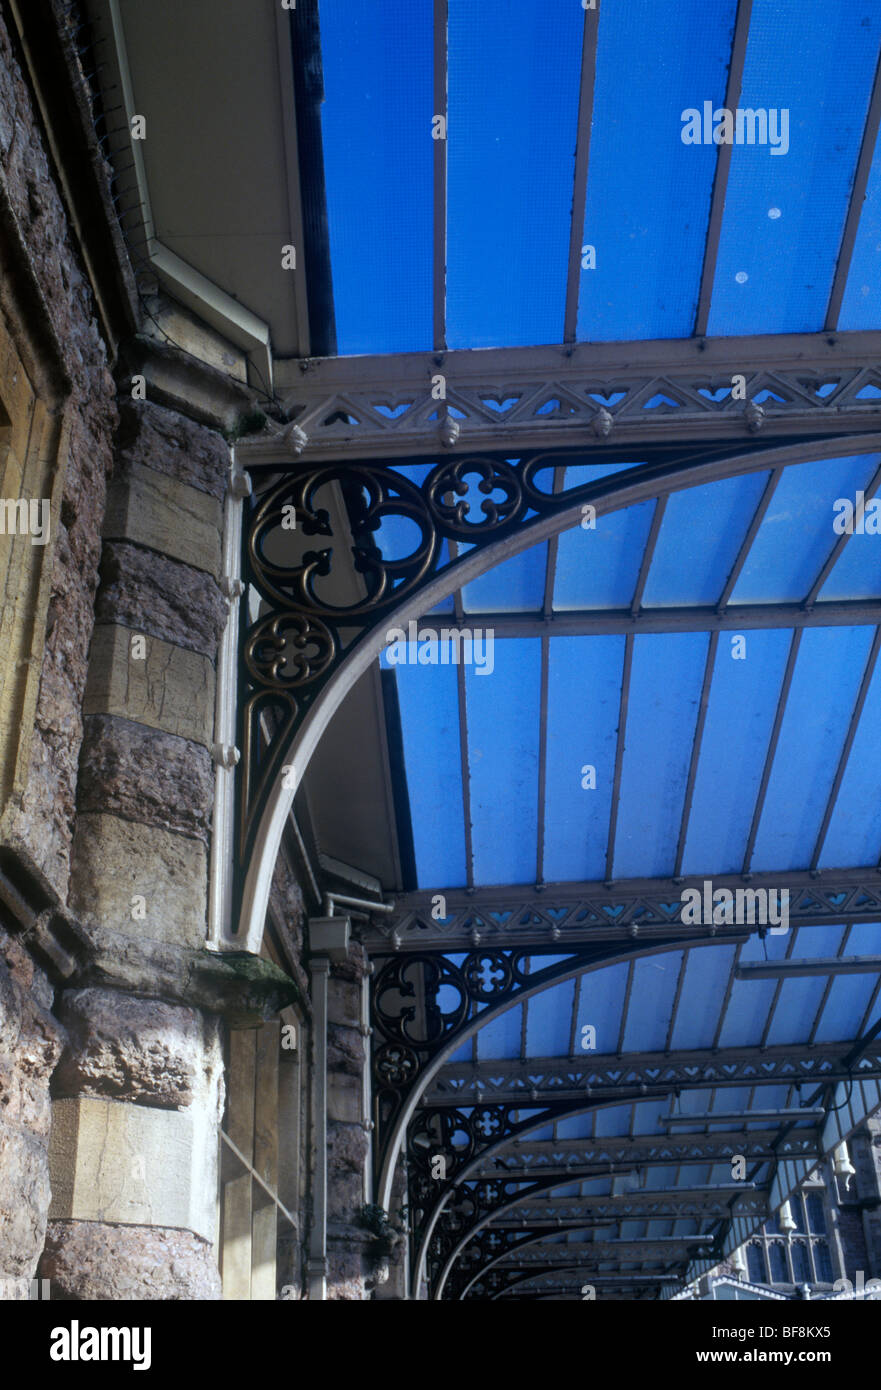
{"type": "Point", "coordinates": [785, 212]}
{"type": "Point", "coordinates": [861, 306]}
{"type": "Point", "coordinates": [651, 1002]}
{"type": "Point", "coordinates": [740, 717]}
{"type": "Point", "coordinates": [864, 939]}
{"type": "Point", "coordinates": [703, 989]}
{"type": "Point", "coordinates": [515, 586]}
{"type": "Point", "coordinates": [824, 687]}
{"type": "Point", "coordinates": [699, 539]}
{"type": "Point", "coordinates": [575, 1126]}
{"type": "Point", "coordinates": [796, 535]}
{"type": "Point", "coordinates": [854, 834]}
{"type": "Point", "coordinates": [857, 572]}
{"type": "Point", "coordinates": [378, 160]}
{"type": "Point", "coordinates": [613, 1121]}
{"type": "Point", "coordinates": [584, 694]}
{"type": "Point", "coordinates": [648, 194]}
{"type": "Point", "coordinates": [503, 737]}
{"type": "Point", "coordinates": [800, 999]}
{"type": "Point", "coordinates": [691, 1102]}
{"type": "Point", "coordinates": [501, 1037]}
{"type": "Point", "coordinates": [751, 1000]}
{"type": "Point", "coordinates": [647, 1116]}
{"type": "Point", "coordinates": [549, 1021]}
{"type": "Point", "coordinates": [513, 113]}
{"type": "Point", "coordinates": [462, 1053]}
{"type": "Point", "coordinates": [600, 1004]}
{"type": "Point", "coordinates": [665, 685]}
{"type": "Point", "coordinates": [430, 727]}
{"type": "Point", "coordinates": [849, 998]}
{"type": "Point", "coordinates": [599, 568]}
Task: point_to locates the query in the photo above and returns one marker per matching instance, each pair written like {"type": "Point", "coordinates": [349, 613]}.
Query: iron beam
{"type": "Point", "coordinates": [577, 913]}
{"type": "Point", "coordinates": [594, 1076]}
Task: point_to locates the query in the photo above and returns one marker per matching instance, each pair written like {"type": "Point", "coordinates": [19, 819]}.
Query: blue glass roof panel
{"type": "Point", "coordinates": [648, 194]}
{"type": "Point", "coordinates": [737, 729]}
{"type": "Point", "coordinates": [511, 128]}
{"type": "Point", "coordinates": [500, 1038]}
{"type": "Point", "coordinates": [659, 735]}
{"type": "Point", "coordinates": [825, 683]}
{"type": "Point", "coordinates": [699, 539]}
{"type": "Point", "coordinates": [785, 212]}
{"type": "Point", "coordinates": [654, 980]}
{"type": "Point", "coordinates": [599, 568]}
{"type": "Point", "coordinates": [796, 535]}
{"type": "Point", "coordinates": [517, 585]}
{"type": "Point", "coordinates": [584, 690]}
{"type": "Point", "coordinates": [376, 129]}
{"type": "Point", "coordinates": [697, 1015]}
{"type": "Point", "coordinates": [503, 736]}
{"type": "Point", "coordinates": [854, 834]}
{"type": "Point", "coordinates": [549, 1020]}
{"type": "Point", "coordinates": [430, 730]}
{"type": "Point", "coordinates": [600, 1004]}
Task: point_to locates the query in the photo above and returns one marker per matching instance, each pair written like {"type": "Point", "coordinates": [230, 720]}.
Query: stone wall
{"type": "Point", "coordinates": [42, 822]}
{"type": "Point", "coordinates": [30, 1045]}
{"type": "Point", "coordinates": [41, 265]}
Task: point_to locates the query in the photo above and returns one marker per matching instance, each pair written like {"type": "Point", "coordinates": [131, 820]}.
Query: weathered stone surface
{"type": "Point", "coordinates": [156, 510]}
{"type": "Point", "coordinates": [243, 988]}
{"type": "Point", "coordinates": [146, 776]}
{"type": "Point", "coordinates": [169, 689]}
{"type": "Point", "coordinates": [41, 819]}
{"type": "Point", "coordinates": [344, 1098]}
{"type": "Point", "coordinates": [345, 1050]}
{"type": "Point", "coordinates": [343, 1001]}
{"type": "Point", "coordinates": [154, 594]}
{"type": "Point", "coordinates": [24, 1201]}
{"type": "Point", "coordinates": [30, 1045]}
{"type": "Point", "coordinates": [120, 868]}
{"type": "Point", "coordinates": [169, 443]}
{"type": "Point", "coordinates": [90, 1260]}
{"type": "Point", "coordinates": [129, 1049]}
{"type": "Point", "coordinates": [354, 967]}
{"type": "Point", "coordinates": [31, 1041]}
{"type": "Point", "coordinates": [135, 1164]}
{"type": "Point", "coordinates": [347, 1147]}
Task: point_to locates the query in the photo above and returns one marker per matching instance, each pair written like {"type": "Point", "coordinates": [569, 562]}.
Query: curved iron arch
{"type": "Point", "coordinates": [607, 495]}
{"type": "Point", "coordinates": [566, 972]}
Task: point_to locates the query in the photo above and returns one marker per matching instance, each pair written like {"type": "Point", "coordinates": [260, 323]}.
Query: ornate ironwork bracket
{"type": "Point", "coordinates": [331, 549]}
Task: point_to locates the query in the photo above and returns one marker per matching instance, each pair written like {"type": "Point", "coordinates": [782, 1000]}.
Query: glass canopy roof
{"type": "Point", "coordinates": [686, 686]}
{"type": "Point", "coordinates": [674, 238]}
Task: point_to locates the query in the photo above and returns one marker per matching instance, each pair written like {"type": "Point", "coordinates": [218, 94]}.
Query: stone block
{"type": "Point", "coordinates": [88, 1260]}
{"type": "Point", "coordinates": [129, 770]}
{"type": "Point", "coordinates": [121, 869]}
{"type": "Point", "coordinates": [155, 510]}
{"type": "Point", "coordinates": [170, 443]}
{"type": "Point", "coordinates": [344, 1098]}
{"type": "Point", "coordinates": [24, 1202]}
{"type": "Point", "coordinates": [134, 1165]}
{"type": "Point", "coordinates": [169, 688]}
{"type": "Point", "coordinates": [344, 1002]}
{"type": "Point", "coordinates": [124, 1048]}
{"type": "Point", "coordinates": [345, 1050]}
{"type": "Point", "coordinates": [154, 594]}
